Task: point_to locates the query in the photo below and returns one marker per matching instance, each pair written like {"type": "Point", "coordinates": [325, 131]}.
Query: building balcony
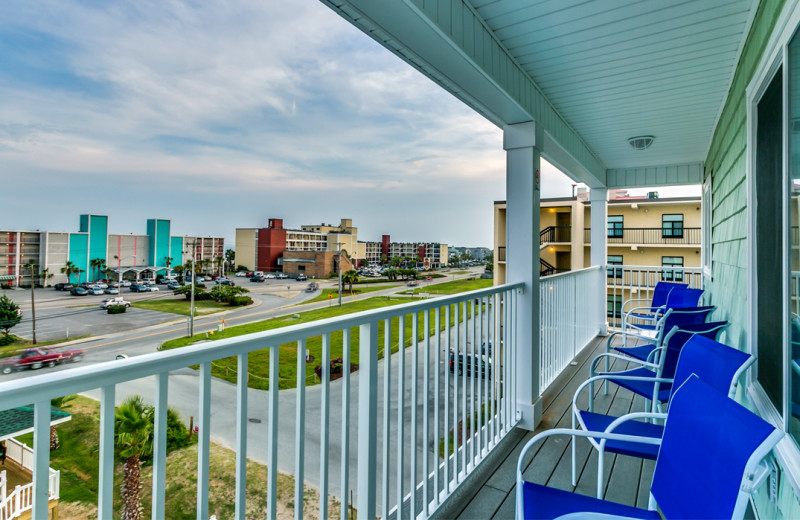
{"type": "Point", "coordinates": [685, 237]}
{"type": "Point", "coordinates": [555, 235]}
{"type": "Point", "coordinates": [16, 483]}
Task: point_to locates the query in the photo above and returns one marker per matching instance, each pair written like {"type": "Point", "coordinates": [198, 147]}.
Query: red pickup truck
{"type": "Point", "coordinates": [35, 358]}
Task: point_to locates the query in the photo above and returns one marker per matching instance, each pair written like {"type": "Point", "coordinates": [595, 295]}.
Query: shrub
{"type": "Point", "coordinates": [116, 309]}
{"type": "Point", "coordinates": [5, 286]}
{"type": "Point", "coordinates": [238, 301]}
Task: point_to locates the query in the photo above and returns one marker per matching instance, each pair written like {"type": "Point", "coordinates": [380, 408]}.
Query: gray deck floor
{"type": "Point", "coordinates": [627, 479]}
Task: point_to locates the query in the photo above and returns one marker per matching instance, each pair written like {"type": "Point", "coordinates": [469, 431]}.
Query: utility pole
{"type": "Point", "coordinates": [31, 265]}
{"type": "Point", "coordinates": [191, 298]}
{"type": "Point", "coordinates": [340, 278]}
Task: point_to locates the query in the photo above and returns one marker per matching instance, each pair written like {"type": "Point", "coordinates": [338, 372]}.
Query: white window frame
{"type": "Point", "coordinates": [774, 56]}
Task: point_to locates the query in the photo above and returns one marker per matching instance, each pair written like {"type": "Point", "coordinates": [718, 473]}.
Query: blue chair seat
{"type": "Point", "coordinates": [642, 387]}
{"type": "Point", "coordinates": [546, 503]}
{"type": "Point", "coordinates": [642, 352]}
{"type": "Point", "coordinates": [599, 422]}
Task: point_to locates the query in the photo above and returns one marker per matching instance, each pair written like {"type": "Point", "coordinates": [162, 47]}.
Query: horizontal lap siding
{"type": "Point", "coordinates": [727, 163]}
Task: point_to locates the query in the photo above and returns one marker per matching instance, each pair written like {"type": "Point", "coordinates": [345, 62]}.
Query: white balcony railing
{"type": "Point", "coordinates": [392, 456]}
{"type": "Point", "coordinates": [626, 282]}
{"type": "Point", "coordinates": [570, 317]}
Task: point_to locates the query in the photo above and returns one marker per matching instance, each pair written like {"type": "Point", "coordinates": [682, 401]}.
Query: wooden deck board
{"type": "Point", "coordinates": [627, 478]}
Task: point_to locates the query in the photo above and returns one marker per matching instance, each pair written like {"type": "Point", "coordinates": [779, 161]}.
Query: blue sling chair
{"type": "Point", "coordinates": [677, 298]}
{"type": "Point", "coordinates": [708, 463]}
{"type": "Point", "coordinates": [657, 304]}
{"type": "Point", "coordinates": [677, 317]}
{"type": "Point", "coordinates": [644, 379]}
{"type": "Point", "coordinates": [718, 365]}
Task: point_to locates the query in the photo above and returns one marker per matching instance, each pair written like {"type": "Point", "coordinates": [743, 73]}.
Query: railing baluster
{"type": "Point", "coordinates": [204, 441]}
{"type": "Point", "coordinates": [300, 431]}
{"type": "Point", "coordinates": [272, 434]}
{"type": "Point", "coordinates": [160, 446]}
{"type": "Point", "coordinates": [105, 481]}
{"type": "Point", "coordinates": [436, 404]}
{"type": "Point", "coordinates": [325, 379]}
{"type": "Point", "coordinates": [387, 388]}
{"type": "Point", "coordinates": [446, 433]}
{"type": "Point", "coordinates": [401, 370]}
{"type": "Point", "coordinates": [367, 418]}
{"type": "Point", "coordinates": [483, 384]}
{"type": "Point", "coordinates": [345, 469]}
{"type": "Point", "coordinates": [41, 459]}
{"type": "Point", "coordinates": [414, 426]}
{"type": "Point", "coordinates": [241, 436]}
{"type": "Point", "coordinates": [464, 366]}
{"type": "Point", "coordinates": [474, 374]}
{"type": "Point", "coordinates": [426, 411]}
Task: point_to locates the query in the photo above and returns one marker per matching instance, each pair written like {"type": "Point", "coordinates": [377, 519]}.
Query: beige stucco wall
{"type": "Point", "coordinates": [246, 248]}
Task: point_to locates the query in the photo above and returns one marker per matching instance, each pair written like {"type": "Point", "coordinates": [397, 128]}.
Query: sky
{"type": "Point", "coordinates": [217, 115]}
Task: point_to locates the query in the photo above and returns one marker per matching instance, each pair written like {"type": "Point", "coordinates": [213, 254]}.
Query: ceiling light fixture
{"type": "Point", "coordinates": [641, 142]}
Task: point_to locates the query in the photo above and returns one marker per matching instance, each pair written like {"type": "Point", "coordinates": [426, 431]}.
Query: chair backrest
{"type": "Point", "coordinates": [678, 325]}
{"type": "Point", "coordinates": [684, 297]}
{"type": "Point", "coordinates": [710, 443]}
{"type": "Point", "coordinates": [662, 290]}
{"type": "Point", "coordinates": [716, 364]}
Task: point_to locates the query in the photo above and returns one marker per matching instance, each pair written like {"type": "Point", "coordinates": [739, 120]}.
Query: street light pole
{"type": "Point", "coordinates": [191, 297]}
{"type": "Point", "coordinates": [31, 265]}
{"type": "Point", "coordinates": [340, 278]}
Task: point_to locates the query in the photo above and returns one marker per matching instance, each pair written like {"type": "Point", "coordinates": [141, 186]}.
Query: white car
{"type": "Point", "coordinates": [112, 290]}
{"type": "Point", "coordinates": [269, 275]}
{"type": "Point", "coordinates": [153, 288]}
{"type": "Point", "coordinates": [241, 274]}
{"type": "Point", "coordinates": [125, 283]}
{"type": "Point", "coordinates": [281, 276]}
{"type": "Point", "coordinates": [101, 285]}
{"type": "Point", "coordinates": [104, 304]}
{"type": "Point", "coordinates": [95, 290]}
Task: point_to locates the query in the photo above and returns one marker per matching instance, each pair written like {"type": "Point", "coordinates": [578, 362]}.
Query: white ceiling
{"type": "Point", "coordinates": [619, 68]}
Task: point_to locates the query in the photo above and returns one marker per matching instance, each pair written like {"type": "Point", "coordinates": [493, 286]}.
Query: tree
{"type": "Point", "coordinates": [395, 261]}
{"type": "Point", "coordinates": [62, 403]}
{"type": "Point", "coordinates": [133, 429]}
{"type": "Point", "coordinates": [392, 274]}
{"type": "Point", "coordinates": [241, 267]}
{"type": "Point", "coordinates": [168, 261]}
{"type": "Point", "coordinates": [383, 259]}
{"type": "Point", "coordinates": [218, 262]}
{"type": "Point", "coordinates": [10, 315]}
{"type": "Point", "coordinates": [350, 277]}
{"type": "Point", "coordinates": [230, 256]}
{"type": "Point", "coordinates": [69, 269]}
{"type": "Point", "coordinates": [178, 270]}
{"type": "Point", "coordinates": [199, 291]}
{"type": "Point", "coordinates": [44, 276]}
{"type": "Point", "coordinates": [226, 293]}
{"type": "Point", "coordinates": [97, 265]}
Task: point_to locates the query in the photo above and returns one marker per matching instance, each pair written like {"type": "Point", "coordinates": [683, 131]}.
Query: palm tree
{"type": "Point", "coordinates": [218, 261]}
{"type": "Point", "coordinates": [350, 277]}
{"type": "Point", "coordinates": [69, 269]}
{"type": "Point", "coordinates": [168, 262]}
{"type": "Point", "coordinates": [133, 425]}
{"type": "Point", "coordinates": [205, 262]}
{"type": "Point", "coordinates": [45, 275]}
{"type": "Point", "coordinates": [97, 265]}
{"type": "Point", "coordinates": [62, 403]}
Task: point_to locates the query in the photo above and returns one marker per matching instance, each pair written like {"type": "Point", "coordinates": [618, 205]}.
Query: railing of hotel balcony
{"type": "Point", "coordinates": [555, 234]}
{"type": "Point", "coordinates": [404, 469]}
{"type": "Point", "coordinates": [568, 302]}
{"type": "Point", "coordinates": [649, 236]}
{"type": "Point", "coordinates": [625, 282]}
{"type": "Point", "coordinates": [20, 500]}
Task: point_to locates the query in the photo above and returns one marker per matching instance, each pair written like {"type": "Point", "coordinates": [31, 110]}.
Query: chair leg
{"type": "Point", "coordinates": [574, 470]}
{"type": "Point", "coordinates": [591, 396]}
{"type": "Point", "coordinates": [600, 462]}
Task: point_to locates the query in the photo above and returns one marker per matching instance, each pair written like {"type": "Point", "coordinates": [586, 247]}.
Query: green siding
{"type": "Point", "coordinates": [727, 164]}
{"type": "Point", "coordinates": [98, 240]}
{"type": "Point", "coordinates": [78, 254]}
{"type": "Point", "coordinates": [158, 231]}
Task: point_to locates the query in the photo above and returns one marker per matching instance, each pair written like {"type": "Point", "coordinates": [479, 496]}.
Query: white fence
{"type": "Point", "coordinates": [449, 387]}
{"type": "Point", "coordinates": [19, 501]}
{"type": "Point", "coordinates": [571, 315]}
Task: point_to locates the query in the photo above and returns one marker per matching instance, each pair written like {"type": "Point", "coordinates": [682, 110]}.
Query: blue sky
{"type": "Point", "coordinates": [218, 115]}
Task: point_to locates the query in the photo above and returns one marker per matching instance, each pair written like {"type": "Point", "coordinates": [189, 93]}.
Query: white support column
{"type": "Point", "coordinates": [522, 260]}
{"type": "Point", "coordinates": [599, 200]}
{"type": "Point", "coordinates": [577, 245]}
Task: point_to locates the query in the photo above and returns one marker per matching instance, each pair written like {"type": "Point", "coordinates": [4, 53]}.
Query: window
{"type": "Point", "coordinates": [669, 275]}
{"type": "Point", "coordinates": [615, 226]}
{"type": "Point", "coordinates": [672, 226]}
{"type": "Point", "coordinates": [612, 271]}
{"type": "Point", "coordinates": [614, 306]}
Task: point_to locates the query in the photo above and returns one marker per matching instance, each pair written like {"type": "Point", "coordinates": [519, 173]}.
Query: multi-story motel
{"type": "Point", "coordinates": [131, 254]}
{"type": "Point", "coordinates": [311, 249]}
{"type": "Point", "coordinates": [641, 231]}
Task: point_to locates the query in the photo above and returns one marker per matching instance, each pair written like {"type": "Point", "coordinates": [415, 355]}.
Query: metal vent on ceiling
{"type": "Point", "coordinates": [641, 142]}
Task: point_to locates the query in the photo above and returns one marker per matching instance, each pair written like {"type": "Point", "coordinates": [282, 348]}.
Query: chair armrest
{"type": "Point", "coordinates": [617, 356]}
{"type": "Point", "coordinates": [626, 302]}
{"type": "Point", "coordinates": [630, 417]}
{"type": "Point", "coordinates": [626, 334]}
{"type": "Point", "coordinates": [602, 377]}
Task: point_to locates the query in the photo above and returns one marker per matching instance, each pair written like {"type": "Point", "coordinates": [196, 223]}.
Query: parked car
{"type": "Point", "coordinates": [125, 283]}
{"type": "Point", "coordinates": [255, 278]}
{"type": "Point", "coordinates": [301, 278]}
{"type": "Point", "coordinates": [174, 285]}
{"type": "Point", "coordinates": [96, 291]}
{"type": "Point", "coordinates": [78, 291]}
{"type": "Point", "coordinates": [150, 288]}
{"type": "Point", "coordinates": [135, 287]}
{"type": "Point", "coordinates": [112, 290]}
{"type": "Point", "coordinates": [224, 281]}
{"type": "Point", "coordinates": [101, 285]}
{"type": "Point", "coordinates": [63, 286]}
{"type": "Point", "coordinates": [413, 283]}
{"type": "Point", "coordinates": [240, 274]}
{"type": "Point", "coordinates": [270, 276]}
{"type": "Point", "coordinates": [35, 358]}
{"type": "Point", "coordinates": [281, 276]}
{"type": "Point", "coordinates": [119, 300]}
{"type": "Point", "coordinates": [471, 361]}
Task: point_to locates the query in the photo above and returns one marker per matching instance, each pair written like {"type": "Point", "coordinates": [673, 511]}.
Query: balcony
{"type": "Point", "coordinates": [16, 486]}
{"type": "Point", "coordinates": [650, 237]}
{"type": "Point", "coordinates": [389, 458]}
{"type": "Point", "coordinates": [555, 235]}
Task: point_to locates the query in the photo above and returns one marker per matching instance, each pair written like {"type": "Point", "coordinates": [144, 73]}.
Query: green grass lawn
{"type": "Point", "coordinates": [258, 361]}
{"type": "Point", "coordinates": [454, 287]}
{"type": "Point", "coordinates": [458, 272]}
{"type": "Point", "coordinates": [324, 296]}
{"type": "Point", "coordinates": [181, 306]}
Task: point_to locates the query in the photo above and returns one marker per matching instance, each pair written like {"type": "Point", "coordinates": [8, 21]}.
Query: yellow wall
{"type": "Point", "coordinates": [246, 248]}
